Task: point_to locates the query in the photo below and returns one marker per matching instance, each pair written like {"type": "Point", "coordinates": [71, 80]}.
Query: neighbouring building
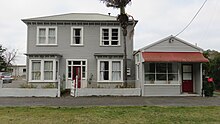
{"type": "Point", "coordinates": [18, 71]}
{"type": "Point", "coordinates": [169, 67]}
{"type": "Point", "coordinates": [89, 45]}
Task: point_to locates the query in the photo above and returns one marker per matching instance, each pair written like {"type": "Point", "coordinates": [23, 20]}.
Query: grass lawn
{"type": "Point", "coordinates": [109, 115]}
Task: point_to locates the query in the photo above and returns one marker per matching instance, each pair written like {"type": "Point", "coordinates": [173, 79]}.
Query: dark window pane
{"type": "Point", "coordinates": [84, 62]}
{"type": "Point", "coordinates": [76, 62]}
{"type": "Point", "coordinates": [106, 42]}
{"type": "Point", "coordinates": [114, 42]}
{"type": "Point", "coordinates": [77, 40]}
{"type": "Point", "coordinates": [173, 77]}
{"type": "Point", "coordinates": [77, 32]}
{"type": "Point", "coordinates": [161, 67]}
{"type": "Point", "coordinates": [149, 77]}
{"type": "Point", "coordinates": [161, 77]}
{"type": "Point", "coordinates": [69, 72]}
{"type": "Point", "coordinates": [172, 68]}
{"type": "Point", "coordinates": [69, 62]}
{"type": "Point", "coordinates": [149, 67]}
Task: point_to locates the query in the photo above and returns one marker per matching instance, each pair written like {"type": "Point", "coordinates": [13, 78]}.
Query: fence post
{"type": "Point", "coordinates": [76, 86]}
{"type": "Point", "coordinates": [58, 87]}
{"type": "Point", "coordinates": [1, 83]}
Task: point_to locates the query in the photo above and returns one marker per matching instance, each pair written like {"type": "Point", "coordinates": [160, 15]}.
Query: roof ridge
{"type": "Point", "coordinates": [68, 14]}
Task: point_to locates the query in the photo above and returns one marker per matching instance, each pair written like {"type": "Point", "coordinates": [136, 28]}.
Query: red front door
{"type": "Point", "coordinates": [187, 84]}
{"type": "Point", "coordinates": [77, 72]}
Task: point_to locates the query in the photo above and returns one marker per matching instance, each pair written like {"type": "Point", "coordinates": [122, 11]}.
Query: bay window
{"type": "Point", "coordinates": [43, 70]}
{"type": "Point", "coordinates": [110, 70]}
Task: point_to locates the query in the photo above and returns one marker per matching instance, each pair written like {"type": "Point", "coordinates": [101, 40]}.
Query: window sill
{"type": "Point", "coordinates": [77, 45]}
{"type": "Point", "coordinates": [110, 45]}
{"type": "Point", "coordinates": [46, 45]}
{"type": "Point", "coordinates": [109, 81]}
{"type": "Point", "coordinates": [40, 81]}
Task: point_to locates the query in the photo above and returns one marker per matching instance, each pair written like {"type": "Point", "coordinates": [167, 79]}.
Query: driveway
{"type": "Point", "coordinates": [112, 101]}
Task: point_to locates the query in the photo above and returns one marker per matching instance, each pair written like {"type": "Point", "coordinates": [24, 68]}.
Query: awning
{"type": "Point", "coordinates": [174, 57]}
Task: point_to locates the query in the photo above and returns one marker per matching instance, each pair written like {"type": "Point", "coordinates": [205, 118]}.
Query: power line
{"type": "Point", "coordinates": [192, 19]}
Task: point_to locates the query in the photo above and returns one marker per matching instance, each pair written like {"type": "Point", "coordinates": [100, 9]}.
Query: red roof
{"type": "Point", "coordinates": [174, 57]}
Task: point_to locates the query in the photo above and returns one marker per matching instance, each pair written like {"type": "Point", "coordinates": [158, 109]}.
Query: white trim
{"type": "Point", "coordinates": [42, 70]}
{"type": "Point", "coordinates": [47, 31]}
{"type": "Point", "coordinates": [81, 36]}
{"type": "Point", "coordinates": [81, 65]}
{"type": "Point", "coordinates": [110, 70]}
{"type": "Point", "coordinates": [110, 36]}
{"type": "Point", "coordinates": [167, 38]}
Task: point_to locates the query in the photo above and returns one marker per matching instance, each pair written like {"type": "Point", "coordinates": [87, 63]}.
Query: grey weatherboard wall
{"type": "Point", "coordinates": [91, 41]}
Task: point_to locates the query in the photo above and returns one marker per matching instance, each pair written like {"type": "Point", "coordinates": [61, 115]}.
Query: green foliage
{"type": "Point", "coordinates": [3, 64]}
{"type": "Point", "coordinates": [209, 88]}
{"type": "Point", "coordinates": [27, 85]}
{"type": "Point", "coordinates": [50, 85]}
{"type": "Point", "coordinates": [212, 68]}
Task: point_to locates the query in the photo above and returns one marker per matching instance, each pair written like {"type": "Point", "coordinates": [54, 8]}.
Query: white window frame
{"type": "Point", "coordinates": [81, 36]}
{"type": "Point", "coordinates": [42, 70]}
{"type": "Point", "coordinates": [81, 65]}
{"type": "Point", "coordinates": [158, 82]}
{"type": "Point", "coordinates": [110, 70]}
{"type": "Point", "coordinates": [47, 35]}
{"type": "Point", "coordinates": [110, 36]}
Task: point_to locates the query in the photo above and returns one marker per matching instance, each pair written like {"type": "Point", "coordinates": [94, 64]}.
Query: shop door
{"type": "Point", "coordinates": [187, 74]}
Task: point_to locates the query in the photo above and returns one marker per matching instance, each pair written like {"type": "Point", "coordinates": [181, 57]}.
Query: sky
{"type": "Point", "coordinates": [157, 19]}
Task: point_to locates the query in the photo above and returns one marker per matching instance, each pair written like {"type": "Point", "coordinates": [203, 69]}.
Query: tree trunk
{"type": "Point", "coordinates": [125, 58]}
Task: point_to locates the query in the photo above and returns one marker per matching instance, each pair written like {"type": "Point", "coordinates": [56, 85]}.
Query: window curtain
{"type": "Point", "coordinates": [51, 36]}
{"type": "Point", "coordinates": [102, 68]}
{"type": "Point", "coordinates": [42, 36]}
{"type": "Point", "coordinates": [116, 71]}
{"type": "Point", "coordinates": [48, 70]}
{"type": "Point", "coordinates": [36, 73]}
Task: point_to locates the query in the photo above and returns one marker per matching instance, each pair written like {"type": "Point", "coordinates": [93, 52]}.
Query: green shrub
{"type": "Point", "coordinates": [50, 85]}
{"type": "Point", "coordinates": [209, 88]}
{"type": "Point", "coordinates": [27, 85]}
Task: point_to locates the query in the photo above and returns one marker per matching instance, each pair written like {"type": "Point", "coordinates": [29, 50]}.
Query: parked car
{"type": "Point", "coordinates": [6, 77]}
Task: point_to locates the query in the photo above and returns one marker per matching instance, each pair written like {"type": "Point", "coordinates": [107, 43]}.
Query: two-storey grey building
{"type": "Point", "coordinates": [84, 44]}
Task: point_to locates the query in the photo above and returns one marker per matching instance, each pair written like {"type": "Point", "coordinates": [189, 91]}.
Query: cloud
{"type": "Point", "coordinates": [157, 19]}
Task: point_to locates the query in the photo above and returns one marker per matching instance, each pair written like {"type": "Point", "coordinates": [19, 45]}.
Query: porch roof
{"type": "Point", "coordinates": [174, 57]}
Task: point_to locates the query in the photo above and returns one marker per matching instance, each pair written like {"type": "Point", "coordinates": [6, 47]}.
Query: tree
{"type": "Point", "coordinates": [10, 56]}
{"type": "Point", "coordinates": [6, 58]}
{"type": "Point", "coordinates": [2, 59]}
{"type": "Point", "coordinates": [212, 68]}
{"type": "Point", "coordinates": [123, 19]}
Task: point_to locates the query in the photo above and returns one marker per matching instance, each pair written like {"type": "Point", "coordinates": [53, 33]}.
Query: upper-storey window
{"type": "Point", "coordinates": [47, 36]}
{"type": "Point", "coordinates": [110, 36]}
{"type": "Point", "coordinates": [77, 36]}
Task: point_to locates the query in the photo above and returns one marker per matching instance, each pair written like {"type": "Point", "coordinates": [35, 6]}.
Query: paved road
{"type": "Point", "coordinates": [112, 101]}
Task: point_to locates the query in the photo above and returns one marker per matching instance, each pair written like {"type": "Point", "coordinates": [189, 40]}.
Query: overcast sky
{"type": "Point", "coordinates": [157, 19]}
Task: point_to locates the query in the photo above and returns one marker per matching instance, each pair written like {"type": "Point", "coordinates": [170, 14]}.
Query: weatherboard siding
{"type": "Point", "coordinates": [174, 46]}
{"type": "Point", "coordinates": [91, 45]}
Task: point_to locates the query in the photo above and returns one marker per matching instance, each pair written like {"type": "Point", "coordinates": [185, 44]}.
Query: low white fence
{"type": "Point", "coordinates": [25, 92]}
{"type": "Point", "coordinates": [29, 92]}
{"type": "Point", "coordinates": [108, 92]}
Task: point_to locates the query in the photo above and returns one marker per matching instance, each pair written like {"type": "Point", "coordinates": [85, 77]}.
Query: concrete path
{"type": "Point", "coordinates": [112, 101]}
